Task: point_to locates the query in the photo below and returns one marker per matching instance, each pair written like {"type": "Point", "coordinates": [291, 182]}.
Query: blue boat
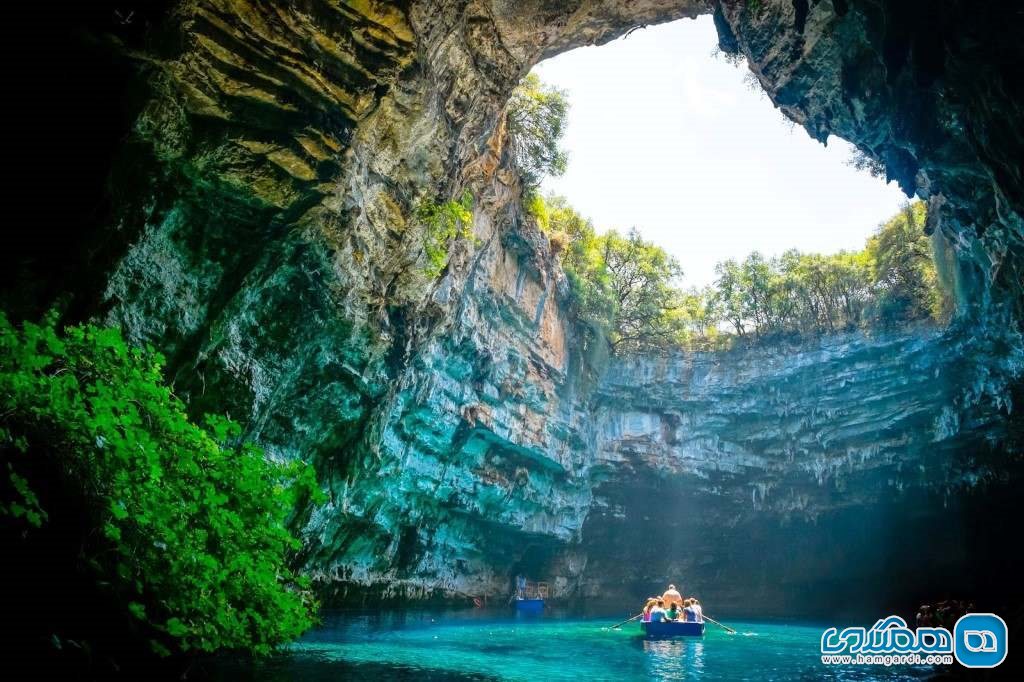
{"type": "Point", "coordinates": [529, 596]}
{"type": "Point", "coordinates": [529, 605]}
{"type": "Point", "coordinates": [672, 628]}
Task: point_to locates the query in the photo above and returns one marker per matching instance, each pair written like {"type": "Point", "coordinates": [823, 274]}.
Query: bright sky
{"type": "Point", "coordinates": [666, 137]}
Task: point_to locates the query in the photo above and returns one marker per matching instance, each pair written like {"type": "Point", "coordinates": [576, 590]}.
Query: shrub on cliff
{"type": "Point", "coordinates": [537, 115]}
{"type": "Point", "coordinates": [125, 520]}
{"type": "Point", "coordinates": [443, 223]}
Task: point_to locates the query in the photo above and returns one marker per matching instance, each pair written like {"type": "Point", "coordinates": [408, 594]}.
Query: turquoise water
{"type": "Point", "coordinates": [478, 645]}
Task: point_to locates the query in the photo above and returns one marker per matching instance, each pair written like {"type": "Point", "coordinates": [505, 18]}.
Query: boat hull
{"type": "Point", "coordinates": [529, 605]}
{"type": "Point", "coordinates": [662, 629]}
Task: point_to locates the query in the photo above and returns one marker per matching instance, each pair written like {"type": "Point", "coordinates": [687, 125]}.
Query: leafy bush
{"type": "Point", "coordinates": [443, 223]}
{"type": "Point", "coordinates": [183, 528]}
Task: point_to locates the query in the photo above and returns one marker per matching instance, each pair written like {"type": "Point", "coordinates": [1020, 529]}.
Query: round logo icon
{"type": "Point", "coordinates": [980, 640]}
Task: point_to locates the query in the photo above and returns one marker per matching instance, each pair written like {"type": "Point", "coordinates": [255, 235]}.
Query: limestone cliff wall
{"type": "Point", "coordinates": [767, 478]}
{"type": "Point", "coordinates": [260, 171]}
{"type": "Point", "coordinates": [789, 429]}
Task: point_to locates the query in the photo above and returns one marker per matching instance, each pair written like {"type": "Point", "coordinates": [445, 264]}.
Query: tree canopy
{"type": "Point", "coordinates": [628, 289]}
{"type": "Point", "coordinates": [537, 115]}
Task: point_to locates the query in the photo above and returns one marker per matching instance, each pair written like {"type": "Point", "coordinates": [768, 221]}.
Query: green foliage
{"type": "Point", "coordinates": [797, 292]}
{"type": "Point", "coordinates": [186, 526]}
{"type": "Point", "coordinates": [699, 318]}
{"type": "Point", "coordinates": [621, 285]}
{"type": "Point", "coordinates": [556, 217]}
{"type": "Point", "coordinates": [892, 280]}
{"type": "Point", "coordinates": [537, 115]}
{"type": "Point", "coordinates": [904, 268]}
{"type": "Point", "coordinates": [582, 256]}
{"type": "Point", "coordinates": [537, 207]}
{"type": "Point", "coordinates": [624, 290]}
{"type": "Point", "coordinates": [639, 277]}
{"type": "Point", "coordinates": [859, 160]}
{"type": "Point", "coordinates": [444, 223]}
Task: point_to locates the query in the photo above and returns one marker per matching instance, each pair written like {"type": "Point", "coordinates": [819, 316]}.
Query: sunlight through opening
{"type": "Point", "coordinates": [667, 137]}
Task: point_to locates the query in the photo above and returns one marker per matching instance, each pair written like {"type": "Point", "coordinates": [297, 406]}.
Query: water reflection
{"type": "Point", "coordinates": [673, 659]}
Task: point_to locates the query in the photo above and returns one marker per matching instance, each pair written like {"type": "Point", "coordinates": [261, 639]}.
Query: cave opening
{"type": "Point", "coordinates": [668, 134]}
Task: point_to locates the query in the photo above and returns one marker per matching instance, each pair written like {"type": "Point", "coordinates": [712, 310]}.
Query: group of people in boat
{"type": "Point", "coordinates": [671, 606]}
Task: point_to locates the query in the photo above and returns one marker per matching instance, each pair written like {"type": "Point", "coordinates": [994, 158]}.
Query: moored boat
{"type": "Point", "coordinates": [529, 605]}
{"type": "Point", "coordinates": [672, 628]}
{"type": "Point", "coordinates": [529, 596]}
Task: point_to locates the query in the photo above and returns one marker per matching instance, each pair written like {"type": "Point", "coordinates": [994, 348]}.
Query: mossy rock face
{"type": "Point", "coordinates": [239, 190]}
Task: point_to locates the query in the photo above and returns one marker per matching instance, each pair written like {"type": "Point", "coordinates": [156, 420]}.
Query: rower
{"type": "Point", "coordinates": [672, 596]}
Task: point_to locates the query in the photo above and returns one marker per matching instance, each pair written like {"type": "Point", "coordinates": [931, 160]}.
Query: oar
{"type": "Point", "coordinates": [726, 627]}
{"type": "Point", "coordinates": [619, 625]}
